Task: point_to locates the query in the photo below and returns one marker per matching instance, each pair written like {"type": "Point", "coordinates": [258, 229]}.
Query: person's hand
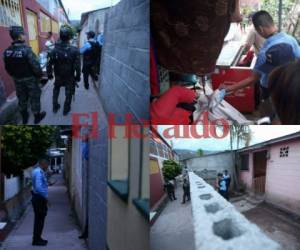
{"type": "Point", "coordinates": [50, 77]}
{"type": "Point", "coordinates": [228, 88]}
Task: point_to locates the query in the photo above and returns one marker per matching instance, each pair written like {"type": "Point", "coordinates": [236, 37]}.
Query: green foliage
{"type": "Point", "coordinates": [171, 169]}
{"type": "Point", "coordinates": [22, 146]}
{"type": "Point", "coordinates": [200, 152]}
{"type": "Point", "coordinates": [272, 7]}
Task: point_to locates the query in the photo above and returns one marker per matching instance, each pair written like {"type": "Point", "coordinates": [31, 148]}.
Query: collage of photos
{"type": "Point", "coordinates": [149, 125]}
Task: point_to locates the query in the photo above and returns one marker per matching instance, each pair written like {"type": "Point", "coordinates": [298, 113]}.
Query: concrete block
{"type": "Point", "coordinates": [218, 225]}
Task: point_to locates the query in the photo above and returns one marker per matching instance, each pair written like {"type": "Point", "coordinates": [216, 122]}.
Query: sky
{"type": "Point", "coordinates": [259, 134]}
{"type": "Point", "coordinates": [77, 7]}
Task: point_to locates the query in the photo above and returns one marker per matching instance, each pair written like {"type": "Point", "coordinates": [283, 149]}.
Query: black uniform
{"type": "Point", "coordinates": [186, 191]}
{"type": "Point", "coordinates": [91, 62]}
{"type": "Point", "coordinates": [66, 61]}
{"type": "Point", "coordinates": [22, 64]}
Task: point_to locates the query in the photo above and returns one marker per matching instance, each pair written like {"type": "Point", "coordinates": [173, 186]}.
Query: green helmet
{"type": "Point", "coordinates": [66, 33]}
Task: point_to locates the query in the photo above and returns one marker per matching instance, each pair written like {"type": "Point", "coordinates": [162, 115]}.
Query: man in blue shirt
{"type": "Point", "coordinates": [91, 52]}
{"type": "Point", "coordinates": [39, 201]}
{"type": "Point", "coordinates": [278, 49]}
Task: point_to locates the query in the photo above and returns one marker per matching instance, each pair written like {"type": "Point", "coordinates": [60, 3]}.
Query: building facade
{"type": "Point", "coordinates": [160, 151]}
{"type": "Point", "coordinates": [128, 191]}
{"type": "Point", "coordinates": [272, 169]}
{"type": "Point", "coordinates": [38, 17]}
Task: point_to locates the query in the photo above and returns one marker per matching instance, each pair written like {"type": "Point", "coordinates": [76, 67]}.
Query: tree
{"type": "Point", "coordinates": [22, 146]}
{"type": "Point", "coordinates": [171, 169]}
{"type": "Point", "coordinates": [238, 134]}
{"type": "Point", "coordinates": [200, 152]}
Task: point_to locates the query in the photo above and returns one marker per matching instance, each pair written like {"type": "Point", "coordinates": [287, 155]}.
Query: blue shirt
{"type": "Point", "coordinates": [87, 46]}
{"type": "Point", "coordinates": [223, 186]}
{"type": "Point", "coordinates": [271, 41]}
{"type": "Point", "coordinates": [100, 39]}
{"type": "Point", "coordinates": [39, 182]}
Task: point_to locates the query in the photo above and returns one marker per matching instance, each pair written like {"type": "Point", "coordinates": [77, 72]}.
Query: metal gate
{"type": "Point", "coordinates": [33, 31]}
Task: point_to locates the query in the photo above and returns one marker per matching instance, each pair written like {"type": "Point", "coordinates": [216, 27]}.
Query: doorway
{"type": "Point", "coordinates": [259, 171]}
{"type": "Point", "coordinates": [33, 31]}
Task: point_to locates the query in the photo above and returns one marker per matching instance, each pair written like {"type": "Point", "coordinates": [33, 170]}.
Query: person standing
{"type": "Point", "coordinates": [186, 190]}
{"type": "Point", "coordinates": [222, 186]}
{"type": "Point", "coordinates": [39, 201]}
{"type": "Point", "coordinates": [50, 42]}
{"type": "Point", "coordinates": [170, 190]}
{"type": "Point", "coordinates": [91, 51]}
{"type": "Point", "coordinates": [65, 59]}
{"type": "Point", "coordinates": [23, 66]}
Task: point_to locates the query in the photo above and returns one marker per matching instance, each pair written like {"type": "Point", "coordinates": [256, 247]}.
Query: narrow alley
{"type": "Point", "coordinates": [174, 229]}
{"type": "Point", "coordinates": [85, 101]}
{"type": "Point", "coordinates": [60, 228]}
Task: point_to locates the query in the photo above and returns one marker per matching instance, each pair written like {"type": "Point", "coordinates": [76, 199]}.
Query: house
{"type": "Point", "coordinates": [160, 150]}
{"type": "Point", "coordinates": [37, 17]}
{"type": "Point", "coordinates": [128, 191]}
{"type": "Point", "coordinates": [272, 168]}
{"type": "Point", "coordinates": [92, 20]}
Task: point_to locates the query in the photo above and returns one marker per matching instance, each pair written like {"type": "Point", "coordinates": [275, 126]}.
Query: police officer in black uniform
{"type": "Point", "coordinates": [91, 51]}
{"type": "Point", "coordinates": [23, 66]}
{"type": "Point", "coordinates": [65, 59]}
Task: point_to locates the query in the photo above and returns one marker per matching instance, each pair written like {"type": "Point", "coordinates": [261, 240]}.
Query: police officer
{"type": "Point", "coordinates": [23, 65]}
{"type": "Point", "coordinates": [91, 51]}
{"type": "Point", "coordinates": [65, 59]}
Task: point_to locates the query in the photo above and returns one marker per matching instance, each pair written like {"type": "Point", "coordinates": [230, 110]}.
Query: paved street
{"type": "Point", "coordinates": [173, 230]}
{"type": "Point", "coordinates": [86, 101]}
{"type": "Point", "coordinates": [60, 229]}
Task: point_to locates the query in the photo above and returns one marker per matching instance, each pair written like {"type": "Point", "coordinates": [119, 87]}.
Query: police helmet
{"type": "Point", "coordinates": [15, 32]}
{"type": "Point", "coordinates": [66, 33]}
{"type": "Point", "coordinates": [91, 34]}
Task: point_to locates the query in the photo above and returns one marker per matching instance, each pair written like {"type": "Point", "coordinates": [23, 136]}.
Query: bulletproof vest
{"type": "Point", "coordinates": [16, 61]}
{"type": "Point", "coordinates": [90, 56]}
{"type": "Point", "coordinates": [63, 58]}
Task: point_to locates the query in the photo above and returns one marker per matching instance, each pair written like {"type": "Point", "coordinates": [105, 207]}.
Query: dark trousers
{"type": "Point", "coordinates": [186, 195]}
{"type": "Point", "coordinates": [224, 194]}
{"type": "Point", "coordinates": [171, 195]}
{"type": "Point", "coordinates": [68, 93]}
{"type": "Point", "coordinates": [88, 70]}
{"type": "Point", "coordinates": [40, 211]}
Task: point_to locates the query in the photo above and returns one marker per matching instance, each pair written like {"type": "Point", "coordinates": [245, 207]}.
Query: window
{"type": "Point", "coordinates": [55, 28]}
{"type": "Point", "coordinates": [10, 13]}
{"type": "Point", "coordinates": [284, 152]}
{"type": "Point", "coordinates": [45, 23]}
{"type": "Point", "coordinates": [245, 162]}
{"type": "Point", "coordinates": [119, 163]}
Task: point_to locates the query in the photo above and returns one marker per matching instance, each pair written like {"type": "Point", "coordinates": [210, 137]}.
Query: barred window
{"type": "Point", "coordinates": [10, 13]}
{"type": "Point", "coordinates": [284, 152]}
{"type": "Point", "coordinates": [45, 22]}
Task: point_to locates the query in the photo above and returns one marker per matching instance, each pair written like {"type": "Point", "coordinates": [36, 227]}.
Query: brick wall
{"type": "Point", "coordinates": [124, 84]}
{"type": "Point", "coordinates": [218, 225]}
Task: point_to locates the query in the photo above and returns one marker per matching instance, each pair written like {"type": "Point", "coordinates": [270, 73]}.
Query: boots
{"type": "Point", "coordinates": [67, 109]}
{"type": "Point", "coordinates": [25, 117]}
{"type": "Point", "coordinates": [56, 107]}
{"type": "Point", "coordinates": [38, 117]}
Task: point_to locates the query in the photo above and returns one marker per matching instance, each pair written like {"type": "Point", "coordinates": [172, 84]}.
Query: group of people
{"type": "Point", "coordinates": [169, 187]}
{"type": "Point", "coordinates": [276, 72]}
{"type": "Point", "coordinates": [64, 63]}
{"type": "Point", "coordinates": [223, 183]}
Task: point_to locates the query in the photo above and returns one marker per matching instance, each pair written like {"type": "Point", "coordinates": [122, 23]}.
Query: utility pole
{"type": "Point", "coordinates": [280, 15]}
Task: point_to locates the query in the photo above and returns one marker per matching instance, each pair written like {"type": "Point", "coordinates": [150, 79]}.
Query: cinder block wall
{"type": "Point", "coordinates": [124, 84]}
{"type": "Point", "coordinates": [218, 225]}
{"type": "Point", "coordinates": [97, 188]}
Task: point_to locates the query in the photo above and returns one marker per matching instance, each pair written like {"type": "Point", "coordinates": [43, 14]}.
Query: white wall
{"type": "Point", "coordinates": [12, 186]}
{"type": "Point", "coordinates": [283, 177]}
